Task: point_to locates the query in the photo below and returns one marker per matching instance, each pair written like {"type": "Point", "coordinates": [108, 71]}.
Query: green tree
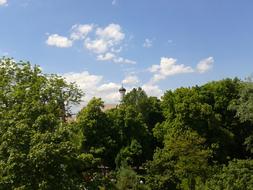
{"type": "Point", "coordinates": [221, 95]}
{"type": "Point", "coordinates": [128, 179]}
{"type": "Point", "coordinates": [35, 147]}
{"type": "Point", "coordinates": [99, 136]}
{"type": "Point", "coordinates": [26, 93]}
{"type": "Point", "coordinates": [130, 154]}
{"type": "Point", "coordinates": [133, 136]}
{"type": "Point", "coordinates": [149, 107]}
{"type": "Point", "coordinates": [244, 111]}
{"type": "Point", "coordinates": [206, 109]}
{"type": "Point", "coordinates": [182, 161]}
{"type": "Point", "coordinates": [245, 102]}
{"type": "Point", "coordinates": [238, 175]}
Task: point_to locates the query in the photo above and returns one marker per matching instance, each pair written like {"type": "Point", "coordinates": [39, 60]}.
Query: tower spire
{"type": "Point", "coordinates": [122, 92]}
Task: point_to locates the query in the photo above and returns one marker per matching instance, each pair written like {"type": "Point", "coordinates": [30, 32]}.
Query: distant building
{"type": "Point", "coordinates": [122, 92]}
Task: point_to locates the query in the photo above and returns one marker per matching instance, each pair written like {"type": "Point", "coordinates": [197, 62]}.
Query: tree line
{"type": "Point", "coordinates": [194, 138]}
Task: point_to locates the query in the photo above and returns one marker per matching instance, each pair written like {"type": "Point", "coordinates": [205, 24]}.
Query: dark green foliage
{"type": "Point", "coordinates": [100, 138]}
{"type": "Point", "coordinates": [134, 138]}
{"type": "Point", "coordinates": [148, 107]}
{"type": "Point", "coordinates": [183, 159]}
{"type": "Point", "coordinates": [244, 111]}
{"type": "Point", "coordinates": [150, 113]}
{"type": "Point", "coordinates": [244, 106]}
{"type": "Point", "coordinates": [128, 179]}
{"type": "Point", "coordinates": [130, 155]}
{"type": "Point", "coordinates": [238, 175]}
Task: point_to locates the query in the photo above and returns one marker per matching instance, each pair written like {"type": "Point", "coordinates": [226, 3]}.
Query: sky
{"type": "Point", "coordinates": [158, 45]}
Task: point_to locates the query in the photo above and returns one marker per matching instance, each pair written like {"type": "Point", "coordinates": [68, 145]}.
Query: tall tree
{"type": "Point", "coordinates": [134, 138]}
{"type": "Point", "coordinates": [206, 110]}
{"type": "Point", "coordinates": [182, 161]}
{"type": "Point", "coordinates": [35, 147]}
{"type": "Point", "coordinates": [238, 174]}
{"type": "Point", "coordinates": [244, 111]}
{"type": "Point", "coordinates": [149, 107]}
{"type": "Point", "coordinates": [99, 136]}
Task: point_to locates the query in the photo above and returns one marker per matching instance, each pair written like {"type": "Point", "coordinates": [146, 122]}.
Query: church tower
{"type": "Point", "coordinates": [122, 92]}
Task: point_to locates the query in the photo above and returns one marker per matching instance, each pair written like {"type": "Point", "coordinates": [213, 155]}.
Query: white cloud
{"type": "Point", "coordinates": [106, 40]}
{"type": "Point", "coordinates": [94, 86]}
{"type": "Point", "coordinates": [152, 90]}
{"type": "Point", "coordinates": [84, 79]}
{"type": "Point", "coordinates": [108, 87]}
{"type": "Point", "coordinates": [106, 43]}
{"type": "Point", "coordinates": [106, 57]}
{"type": "Point", "coordinates": [147, 43]}
{"type": "Point", "coordinates": [122, 60]}
{"type": "Point", "coordinates": [58, 41]}
{"type": "Point", "coordinates": [112, 33]}
{"type": "Point", "coordinates": [3, 3]}
{"type": "Point", "coordinates": [109, 92]}
{"type": "Point", "coordinates": [154, 68]}
{"type": "Point", "coordinates": [205, 65]}
{"type": "Point", "coordinates": [168, 67]}
{"type": "Point", "coordinates": [113, 58]}
{"type": "Point", "coordinates": [131, 80]}
{"type": "Point", "coordinates": [97, 45]}
{"type": "Point", "coordinates": [80, 31]}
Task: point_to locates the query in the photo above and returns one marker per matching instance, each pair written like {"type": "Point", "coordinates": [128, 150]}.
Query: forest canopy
{"type": "Point", "coordinates": [198, 137]}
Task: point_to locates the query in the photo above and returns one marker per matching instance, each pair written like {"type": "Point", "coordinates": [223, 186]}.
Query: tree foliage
{"type": "Point", "coordinates": [237, 175]}
{"type": "Point", "coordinates": [183, 159]}
{"type": "Point", "coordinates": [198, 137]}
{"type": "Point", "coordinates": [99, 137]}
{"type": "Point", "coordinates": [35, 147]}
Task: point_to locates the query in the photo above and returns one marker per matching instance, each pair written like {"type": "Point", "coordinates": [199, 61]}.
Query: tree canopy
{"type": "Point", "coordinates": [199, 137]}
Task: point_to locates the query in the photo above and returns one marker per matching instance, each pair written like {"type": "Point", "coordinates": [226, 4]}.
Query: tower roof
{"type": "Point", "coordinates": [122, 89]}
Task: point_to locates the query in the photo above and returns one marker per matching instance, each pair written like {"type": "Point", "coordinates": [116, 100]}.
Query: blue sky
{"type": "Point", "coordinates": [158, 45]}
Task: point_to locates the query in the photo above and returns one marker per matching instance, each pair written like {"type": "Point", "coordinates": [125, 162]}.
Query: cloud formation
{"type": "Point", "coordinates": [152, 90]}
{"type": "Point", "coordinates": [3, 2]}
{"type": "Point", "coordinates": [106, 39]}
{"type": "Point", "coordinates": [205, 65]}
{"type": "Point", "coordinates": [58, 41]}
{"type": "Point", "coordinates": [97, 46]}
{"type": "Point", "coordinates": [105, 43]}
{"type": "Point", "coordinates": [130, 80]}
{"type": "Point", "coordinates": [123, 60]}
{"type": "Point", "coordinates": [94, 86]}
{"type": "Point", "coordinates": [106, 57]}
{"type": "Point", "coordinates": [80, 32]}
{"type": "Point", "coordinates": [113, 33]}
{"type": "Point", "coordinates": [112, 57]}
{"type": "Point", "coordinates": [168, 67]}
